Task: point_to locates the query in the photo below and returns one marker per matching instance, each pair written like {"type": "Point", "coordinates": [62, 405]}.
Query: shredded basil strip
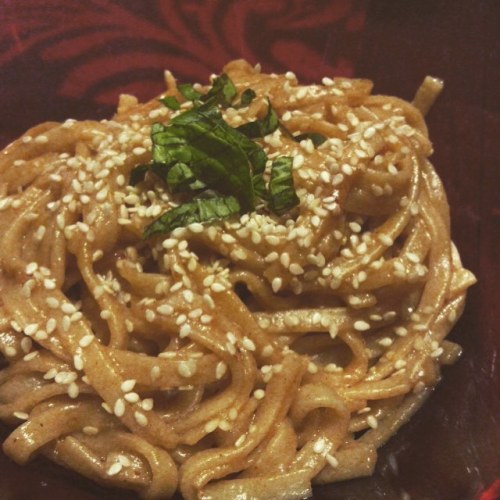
{"type": "Point", "coordinates": [263, 126]}
{"type": "Point", "coordinates": [217, 154]}
{"type": "Point", "coordinates": [198, 151]}
{"type": "Point", "coordinates": [317, 139]}
{"type": "Point", "coordinates": [247, 97]}
{"type": "Point", "coordinates": [188, 91]}
{"type": "Point", "coordinates": [180, 178]}
{"type": "Point", "coordinates": [170, 102]}
{"type": "Point", "coordinates": [200, 210]}
{"type": "Point", "coordinates": [281, 187]}
{"type": "Point", "coordinates": [222, 92]}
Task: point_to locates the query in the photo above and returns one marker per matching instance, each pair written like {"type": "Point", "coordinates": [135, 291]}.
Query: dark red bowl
{"type": "Point", "coordinates": [68, 58]}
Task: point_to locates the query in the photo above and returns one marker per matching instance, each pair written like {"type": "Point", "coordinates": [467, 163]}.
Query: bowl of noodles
{"type": "Point", "coordinates": [234, 285]}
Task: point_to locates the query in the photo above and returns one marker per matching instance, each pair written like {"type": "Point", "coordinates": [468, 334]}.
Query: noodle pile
{"type": "Point", "coordinates": [280, 348]}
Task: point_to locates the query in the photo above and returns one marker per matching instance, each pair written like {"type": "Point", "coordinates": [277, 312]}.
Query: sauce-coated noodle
{"type": "Point", "coordinates": [281, 348]}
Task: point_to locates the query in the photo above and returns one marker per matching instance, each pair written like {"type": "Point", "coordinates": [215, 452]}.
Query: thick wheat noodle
{"type": "Point", "coordinates": [251, 357]}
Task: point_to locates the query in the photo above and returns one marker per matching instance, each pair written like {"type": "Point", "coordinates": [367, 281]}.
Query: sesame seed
{"type": "Point", "coordinates": [285, 259]}
{"type": "Point", "coordinates": [31, 329]}
{"type": "Point", "coordinates": [86, 340]}
{"type": "Point", "coordinates": [211, 425]}
{"type": "Point", "coordinates": [184, 331]}
{"type": "Point", "coordinates": [372, 421]}
{"type": "Point", "coordinates": [78, 362]}
{"type": "Point", "coordinates": [298, 161]}
{"type": "Point", "coordinates": [187, 368]}
{"type": "Point", "coordinates": [141, 419]}
{"type": "Point", "coordinates": [165, 309]}
{"type": "Point", "coordinates": [195, 227]}
{"type": "Point", "coordinates": [385, 342]}
{"type": "Point", "coordinates": [400, 363]}
{"type": "Point", "coordinates": [10, 351]}
{"type": "Point", "coordinates": [90, 430]}
{"type": "Point", "coordinates": [31, 356]}
{"type": "Point", "coordinates": [128, 385]}
{"type": "Point", "coordinates": [131, 397]}
{"type": "Point", "coordinates": [276, 284]}
{"type": "Point", "coordinates": [296, 269]}
{"type": "Point", "coordinates": [333, 330]}
{"type": "Point", "coordinates": [385, 239]}
{"type": "Point", "coordinates": [218, 287]}
{"type": "Point", "coordinates": [220, 370]}
{"type": "Point", "coordinates": [240, 440]}
{"type": "Point", "coordinates": [259, 394]}
{"type": "Point", "coordinates": [41, 139]}
{"type": "Point", "coordinates": [148, 404]}
{"type": "Point", "coordinates": [361, 326]}
{"type": "Point", "coordinates": [267, 351]}
{"type": "Point", "coordinates": [114, 469]}
{"type": "Point", "coordinates": [206, 319]}
{"type": "Point", "coordinates": [107, 408]}
{"type": "Point", "coordinates": [312, 368]}
{"type": "Point", "coordinates": [73, 390]}
{"type": "Point", "coordinates": [21, 415]}
{"type": "Point", "coordinates": [332, 461]}
{"type": "Point", "coordinates": [248, 344]}
{"type": "Point", "coordinates": [346, 169]}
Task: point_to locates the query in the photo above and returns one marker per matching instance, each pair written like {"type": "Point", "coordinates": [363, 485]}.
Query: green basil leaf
{"type": "Point", "coordinates": [170, 102]}
{"type": "Point", "coordinates": [247, 97]}
{"type": "Point", "coordinates": [215, 152]}
{"type": "Point", "coordinates": [200, 210]}
{"type": "Point", "coordinates": [188, 91]}
{"type": "Point", "coordinates": [180, 178]}
{"type": "Point", "coordinates": [222, 92]}
{"type": "Point", "coordinates": [281, 187]}
{"type": "Point", "coordinates": [317, 139]}
{"type": "Point", "coordinates": [261, 127]}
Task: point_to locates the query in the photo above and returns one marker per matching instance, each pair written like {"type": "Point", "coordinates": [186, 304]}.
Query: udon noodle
{"type": "Point", "coordinates": [246, 358]}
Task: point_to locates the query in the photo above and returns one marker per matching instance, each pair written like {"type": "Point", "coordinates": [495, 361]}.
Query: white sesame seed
{"type": "Point", "coordinates": [211, 425]}
{"type": "Point", "coordinates": [240, 440]}
{"type": "Point", "coordinates": [165, 309]}
{"type": "Point", "coordinates": [218, 287]}
{"type": "Point", "coordinates": [372, 421]}
{"type": "Point", "coordinates": [220, 370]}
{"type": "Point", "coordinates": [10, 351]}
{"type": "Point", "coordinates": [187, 368]}
{"type": "Point", "coordinates": [385, 239]}
{"type": "Point", "coordinates": [114, 469]}
{"type": "Point", "coordinates": [128, 385]}
{"type": "Point", "coordinates": [248, 344]}
{"type": "Point", "coordinates": [333, 330]}
{"type": "Point", "coordinates": [86, 340]}
{"type": "Point", "coordinates": [296, 269]}
{"type": "Point", "coordinates": [184, 331]}
{"type": "Point", "coordinates": [276, 284]}
{"type": "Point", "coordinates": [78, 362]}
{"type": "Point", "coordinates": [385, 342]}
{"type": "Point", "coordinates": [141, 419]}
{"type": "Point", "coordinates": [332, 461]}
{"type": "Point", "coordinates": [259, 394]}
{"type": "Point", "coordinates": [195, 227]}
{"type": "Point", "coordinates": [131, 397]}
{"type": "Point", "coordinates": [31, 356]}
{"type": "Point", "coordinates": [361, 326]}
